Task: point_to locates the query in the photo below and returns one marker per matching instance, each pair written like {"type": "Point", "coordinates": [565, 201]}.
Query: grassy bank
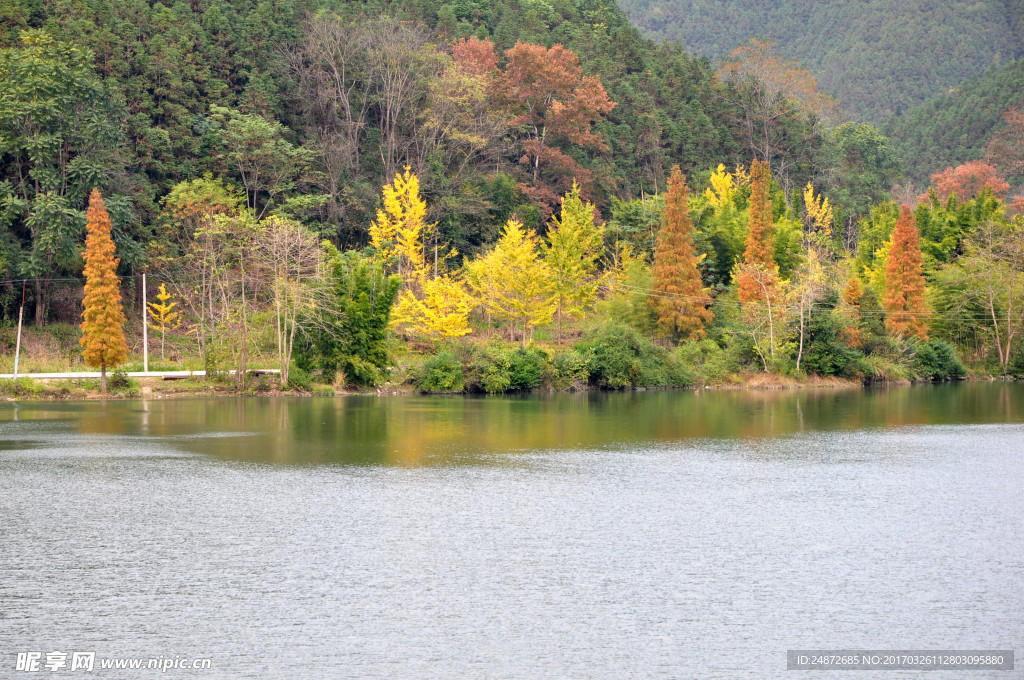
{"type": "Point", "coordinates": [611, 356]}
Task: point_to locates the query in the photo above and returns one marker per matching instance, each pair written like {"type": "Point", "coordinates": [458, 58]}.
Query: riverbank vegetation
{"type": "Point", "coordinates": [488, 201]}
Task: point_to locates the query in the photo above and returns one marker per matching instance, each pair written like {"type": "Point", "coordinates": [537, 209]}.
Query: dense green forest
{"type": "Point", "coordinates": [955, 127]}
{"type": "Point", "coordinates": [878, 58]}
{"type": "Point", "coordinates": [486, 196]}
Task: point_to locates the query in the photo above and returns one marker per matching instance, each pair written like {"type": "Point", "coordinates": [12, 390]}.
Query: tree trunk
{"type": "Point", "coordinates": [103, 378]}
{"type": "Point", "coordinates": [40, 303]}
{"type": "Point", "coordinates": [800, 352]}
{"type": "Point", "coordinates": [559, 314]}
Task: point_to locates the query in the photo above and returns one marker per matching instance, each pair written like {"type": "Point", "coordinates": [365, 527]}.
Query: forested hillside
{"type": "Point", "coordinates": [955, 127]}
{"type": "Point", "coordinates": [137, 97]}
{"type": "Point", "coordinates": [878, 57]}
{"type": "Point", "coordinates": [322, 185]}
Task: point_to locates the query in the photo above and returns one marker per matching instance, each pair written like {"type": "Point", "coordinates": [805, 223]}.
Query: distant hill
{"type": "Point", "coordinates": [878, 57]}
{"type": "Point", "coordinates": [954, 127]}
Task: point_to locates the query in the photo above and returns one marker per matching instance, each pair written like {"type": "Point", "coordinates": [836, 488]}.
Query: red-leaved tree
{"type": "Point", "coordinates": [554, 107]}
{"type": "Point", "coordinates": [476, 57]}
{"type": "Point", "coordinates": [967, 181]}
{"type": "Point", "coordinates": [757, 274]}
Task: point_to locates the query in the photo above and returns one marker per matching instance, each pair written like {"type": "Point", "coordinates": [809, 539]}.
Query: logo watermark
{"type": "Point", "coordinates": [37, 662]}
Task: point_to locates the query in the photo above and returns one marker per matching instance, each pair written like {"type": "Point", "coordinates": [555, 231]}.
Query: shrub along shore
{"type": "Point", "coordinates": [613, 357]}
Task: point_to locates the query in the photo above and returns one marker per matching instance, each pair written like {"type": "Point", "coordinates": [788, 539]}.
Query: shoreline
{"type": "Point", "coordinates": [66, 389]}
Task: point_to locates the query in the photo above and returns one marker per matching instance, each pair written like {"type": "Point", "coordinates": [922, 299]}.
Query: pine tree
{"type": "Point", "coordinates": [103, 342]}
{"type": "Point", "coordinates": [679, 299]}
{"type": "Point", "coordinates": [904, 281]}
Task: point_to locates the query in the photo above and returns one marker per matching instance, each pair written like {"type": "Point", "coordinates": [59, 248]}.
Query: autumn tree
{"type": "Point", "coordinates": [513, 283]}
{"type": "Point", "coordinates": [725, 225]}
{"type": "Point", "coordinates": [555, 107]}
{"type": "Point", "coordinates": [904, 301]}
{"type": "Point", "coordinates": [103, 342]}
{"type": "Point", "coordinates": [437, 305]}
{"type": "Point", "coordinates": [757, 275]}
{"type": "Point", "coordinates": [440, 310]}
{"type": "Point", "coordinates": [398, 232]}
{"type": "Point", "coordinates": [571, 249]}
{"type": "Point", "coordinates": [809, 282]}
{"type": "Point", "coordinates": [817, 219]}
{"type": "Point", "coordinates": [967, 181]}
{"type": "Point", "coordinates": [849, 309]}
{"type": "Point", "coordinates": [758, 251]}
{"type": "Point", "coordinates": [679, 299]}
{"type": "Point", "coordinates": [162, 317]}
{"type": "Point", "coordinates": [476, 57]}
{"type": "Point", "coordinates": [782, 108]}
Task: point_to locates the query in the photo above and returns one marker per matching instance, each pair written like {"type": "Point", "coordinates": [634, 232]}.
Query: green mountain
{"type": "Point", "coordinates": [877, 57]}
{"type": "Point", "coordinates": [954, 127]}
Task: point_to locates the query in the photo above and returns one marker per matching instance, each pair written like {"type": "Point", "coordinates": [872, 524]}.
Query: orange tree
{"type": "Point", "coordinates": [679, 300]}
{"type": "Point", "coordinates": [905, 306]}
{"type": "Point", "coordinates": [103, 342]}
{"type": "Point", "coordinates": [757, 274]}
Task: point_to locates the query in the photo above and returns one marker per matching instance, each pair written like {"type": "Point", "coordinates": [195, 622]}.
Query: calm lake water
{"type": "Point", "coordinates": [660, 534]}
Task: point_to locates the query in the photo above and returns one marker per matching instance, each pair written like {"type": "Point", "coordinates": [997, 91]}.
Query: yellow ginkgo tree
{"type": "Point", "coordinates": [513, 283]}
{"type": "Point", "coordinates": [431, 303]}
{"type": "Point", "coordinates": [721, 189]}
{"type": "Point", "coordinates": [818, 217]}
{"type": "Point", "coordinates": [162, 315]}
{"type": "Point", "coordinates": [571, 251]}
{"type": "Point", "coordinates": [400, 227]}
{"type": "Point", "coordinates": [440, 312]}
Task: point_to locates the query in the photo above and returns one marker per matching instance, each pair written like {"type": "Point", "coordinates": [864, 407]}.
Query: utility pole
{"type": "Point", "coordinates": [17, 344]}
{"type": "Point", "coordinates": [145, 330]}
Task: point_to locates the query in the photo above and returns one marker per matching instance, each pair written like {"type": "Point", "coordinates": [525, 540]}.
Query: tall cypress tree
{"type": "Point", "coordinates": [758, 272]}
{"type": "Point", "coordinates": [904, 281]}
{"type": "Point", "coordinates": [103, 342]}
{"type": "Point", "coordinates": [679, 300]}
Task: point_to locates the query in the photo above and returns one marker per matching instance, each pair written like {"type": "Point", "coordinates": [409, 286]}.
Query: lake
{"type": "Point", "coordinates": [595, 535]}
